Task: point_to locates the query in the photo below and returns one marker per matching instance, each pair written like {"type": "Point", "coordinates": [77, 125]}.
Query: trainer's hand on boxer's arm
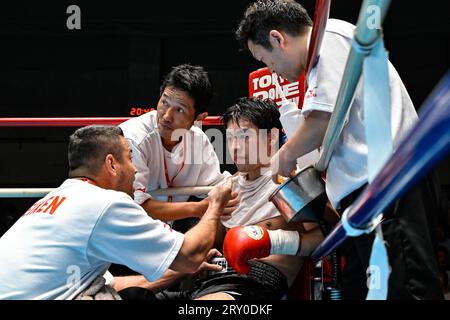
{"type": "Point", "coordinates": [231, 205]}
{"type": "Point", "coordinates": [244, 243]}
{"type": "Point", "coordinates": [223, 197]}
{"type": "Point", "coordinates": [229, 208]}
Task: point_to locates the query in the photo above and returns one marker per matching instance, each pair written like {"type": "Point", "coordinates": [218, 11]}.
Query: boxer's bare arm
{"type": "Point", "coordinates": [309, 241]}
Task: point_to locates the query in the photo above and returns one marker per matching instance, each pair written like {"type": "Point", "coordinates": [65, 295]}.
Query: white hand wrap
{"type": "Point", "coordinates": [284, 242]}
{"type": "Point", "coordinates": [109, 278]}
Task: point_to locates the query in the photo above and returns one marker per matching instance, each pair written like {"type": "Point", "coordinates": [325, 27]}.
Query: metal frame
{"type": "Point", "coordinates": [80, 122]}
{"type": "Point", "coordinates": [363, 41]}
{"type": "Point", "coordinates": [426, 143]}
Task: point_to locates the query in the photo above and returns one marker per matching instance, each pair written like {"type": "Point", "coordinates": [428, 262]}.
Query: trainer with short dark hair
{"type": "Point", "coordinates": [66, 241]}
{"type": "Point", "coordinates": [169, 151]}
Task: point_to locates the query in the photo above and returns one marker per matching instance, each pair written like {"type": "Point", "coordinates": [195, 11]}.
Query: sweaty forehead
{"type": "Point", "coordinates": [178, 96]}
{"type": "Point", "coordinates": [241, 124]}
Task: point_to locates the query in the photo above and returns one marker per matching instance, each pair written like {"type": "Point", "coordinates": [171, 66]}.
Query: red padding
{"type": "Point", "coordinates": [261, 83]}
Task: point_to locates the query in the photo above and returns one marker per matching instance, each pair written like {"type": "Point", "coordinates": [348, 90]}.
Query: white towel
{"type": "Point", "coordinates": [98, 290]}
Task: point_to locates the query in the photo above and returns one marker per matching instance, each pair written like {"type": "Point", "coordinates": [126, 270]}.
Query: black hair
{"type": "Point", "coordinates": [88, 147]}
{"type": "Point", "coordinates": [264, 15]}
{"type": "Point", "coordinates": [264, 114]}
{"type": "Point", "coordinates": [195, 81]}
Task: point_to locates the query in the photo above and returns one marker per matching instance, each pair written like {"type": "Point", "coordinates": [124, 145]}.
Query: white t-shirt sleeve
{"type": "Point", "coordinates": [325, 78]}
{"type": "Point", "coordinates": [290, 117]}
{"type": "Point", "coordinates": [142, 177]}
{"type": "Point", "coordinates": [125, 234]}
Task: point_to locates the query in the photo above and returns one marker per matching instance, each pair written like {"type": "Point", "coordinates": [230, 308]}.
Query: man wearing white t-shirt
{"type": "Point", "coordinates": [68, 239]}
{"type": "Point", "coordinates": [170, 151]}
{"type": "Point", "coordinates": [252, 128]}
{"type": "Point", "coordinates": [277, 33]}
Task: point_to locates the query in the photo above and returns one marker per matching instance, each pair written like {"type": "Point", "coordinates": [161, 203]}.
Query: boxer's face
{"type": "Point", "coordinates": [283, 60]}
{"type": "Point", "coordinates": [176, 110]}
{"type": "Point", "coordinates": [247, 145]}
{"type": "Point", "coordinates": [125, 177]}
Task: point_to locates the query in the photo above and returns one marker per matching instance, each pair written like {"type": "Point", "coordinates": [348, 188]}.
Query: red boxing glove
{"type": "Point", "coordinates": [244, 243]}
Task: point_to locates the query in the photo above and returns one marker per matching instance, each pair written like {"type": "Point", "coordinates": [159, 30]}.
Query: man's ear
{"type": "Point", "coordinates": [202, 116]}
{"type": "Point", "coordinates": [111, 164]}
{"type": "Point", "coordinates": [277, 39]}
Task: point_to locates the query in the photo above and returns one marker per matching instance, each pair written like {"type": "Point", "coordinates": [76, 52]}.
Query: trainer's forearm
{"type": "Point", "coordinates": [198, 241]}
{"type": "Point", "coordinates": [167, 279]}
{"type": "Point", "coordinates": [309, 135]}
{"type": "Point", "coordinates": [169, 211]}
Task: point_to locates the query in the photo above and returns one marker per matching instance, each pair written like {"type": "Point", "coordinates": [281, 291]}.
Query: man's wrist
{"type": "Point", "coordinates": [215, 206]}
{"type": "Point", "coordinates": [288, 153]}
{"type": "Point", "coordinates": [200, 208]}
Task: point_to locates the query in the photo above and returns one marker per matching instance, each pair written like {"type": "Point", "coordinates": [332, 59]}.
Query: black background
{"type": "Point", "coordinates": [118, 58]}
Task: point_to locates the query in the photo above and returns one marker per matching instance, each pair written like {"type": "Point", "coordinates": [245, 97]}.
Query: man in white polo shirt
{"type": "Point", "coordinates": [68, 239]}
{"type": "Point", "coordinates": [170, 151]}
{"type": "Point", "coordinates": [277, 33]}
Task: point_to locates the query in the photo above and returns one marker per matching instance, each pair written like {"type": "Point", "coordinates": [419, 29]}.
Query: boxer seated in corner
{"type": "Point", "coordinates": [253, 128]}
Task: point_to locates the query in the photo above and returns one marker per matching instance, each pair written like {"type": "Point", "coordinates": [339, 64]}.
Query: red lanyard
{"type": "Point", "coordinates": [166, 171]}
